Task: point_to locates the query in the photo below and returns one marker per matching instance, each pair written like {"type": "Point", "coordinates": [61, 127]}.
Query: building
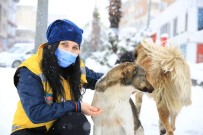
{"type": "Point", "coordinates": [135, 13]}
{"type": "Point", "coordinates": [7, 23]}
{"type": "Point", "coordinates": [26, 23]}
{"type": "Point", "coordinates": [182, 22]}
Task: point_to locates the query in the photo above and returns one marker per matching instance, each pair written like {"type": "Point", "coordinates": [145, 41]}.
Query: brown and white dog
{"type": "Point", "coordinates": [169, 74]}
{"type": "Point", "coordinates": [112, 95]}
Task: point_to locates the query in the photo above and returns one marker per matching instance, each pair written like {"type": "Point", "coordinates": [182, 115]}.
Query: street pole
{"type": "Point", "coordinates": [41, 22]}
{"type": "Point", "coordinates": [149, 14]}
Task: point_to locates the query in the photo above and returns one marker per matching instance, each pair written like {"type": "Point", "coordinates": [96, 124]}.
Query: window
{"type": "Point", "coordinates": [199, 53]}
{"type": "Point", "coordinates": [183, 48]}
{"type": "Point", "coordinates": [0, 17]}
{"type": "Point", "coordinates": [165, 29]}
{"type": "Point", "coordinates": [175, 22]}
{"type": "Point", "coordinates": [200, 18]}
{"type": "Point", "coordinates": [186, 21]}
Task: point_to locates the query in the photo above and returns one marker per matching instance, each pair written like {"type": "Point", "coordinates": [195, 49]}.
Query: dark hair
{"type": "Point", "coordinates": [127, 56]}
{"type": "Point", "coordinates": [53, 73]}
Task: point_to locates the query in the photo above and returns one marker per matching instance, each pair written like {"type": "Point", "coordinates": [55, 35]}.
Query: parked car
{"type": "Point", "coordinates": [16, 54]}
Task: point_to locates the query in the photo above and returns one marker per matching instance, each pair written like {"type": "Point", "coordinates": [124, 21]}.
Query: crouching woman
{"type": "Point", "coordinates": [49, 85]}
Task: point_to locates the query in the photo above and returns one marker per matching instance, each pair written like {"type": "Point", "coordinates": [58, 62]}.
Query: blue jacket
{"type": "Point", "coordinates": [35, 84]}
{"type": "Point", "coordinates": [36, 107]}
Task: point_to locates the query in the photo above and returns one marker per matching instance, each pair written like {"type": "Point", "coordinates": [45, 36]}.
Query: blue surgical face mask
{"type": "Point", "coordinates": [65, 58]}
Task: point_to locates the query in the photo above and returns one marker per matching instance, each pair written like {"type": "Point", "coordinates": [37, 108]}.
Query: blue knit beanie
{"type": "Point", "coordinates": [64, 29]}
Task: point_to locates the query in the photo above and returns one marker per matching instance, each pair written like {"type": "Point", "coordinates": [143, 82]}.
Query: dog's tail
{"type": "Point", "coordinates": [173, 74]}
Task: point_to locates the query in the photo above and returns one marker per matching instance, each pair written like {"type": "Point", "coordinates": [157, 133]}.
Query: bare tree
{"type": "Point", "coordinates": [41, 22]}
{"type": "Point", "coordinates": [95, 43]}
{"type": "Point", "coordinates": [114, 13]}
{"type": "Point", "coordinates": [114, 18]}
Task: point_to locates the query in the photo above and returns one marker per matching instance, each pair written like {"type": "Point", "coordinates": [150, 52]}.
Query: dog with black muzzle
{"type": "Point", "coordinates": [169, 74]}
{"type": "Point", "coordinates": [112, 95]}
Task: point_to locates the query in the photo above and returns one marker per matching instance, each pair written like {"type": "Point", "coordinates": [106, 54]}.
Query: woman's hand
{"type": "Point", "coordinates": [90, 110]}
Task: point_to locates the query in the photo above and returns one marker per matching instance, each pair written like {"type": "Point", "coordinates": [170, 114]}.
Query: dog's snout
{"type": "Point", "coordinates": [151, 90]}
{"type": "Point", "coordinates": [147, 87]}
{"type": "Point", "coordinates": [150, 87]}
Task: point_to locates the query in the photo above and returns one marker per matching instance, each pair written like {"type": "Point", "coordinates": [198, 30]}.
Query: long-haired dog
{"type": "Point", "coordinates": [169, 75]}
{"type": "Point", "coordinates": [112, 95]}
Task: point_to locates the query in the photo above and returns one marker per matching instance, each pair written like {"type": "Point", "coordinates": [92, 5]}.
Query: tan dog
{"type": "Point", "coordinates": [112, 94]}
{"type": "Point", "coordinates": [169, 74]}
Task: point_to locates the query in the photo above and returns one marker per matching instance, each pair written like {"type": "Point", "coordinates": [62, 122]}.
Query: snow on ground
{"type": "Point", "coordinates": [8, 100]}
{"type": "Point", "coordinates": [189, 121]}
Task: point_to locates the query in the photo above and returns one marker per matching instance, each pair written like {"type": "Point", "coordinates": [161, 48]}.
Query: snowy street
{"type": "Point", "coordinates": [101, 34]}
{"type": "Point", "coordinates": [189, 121]}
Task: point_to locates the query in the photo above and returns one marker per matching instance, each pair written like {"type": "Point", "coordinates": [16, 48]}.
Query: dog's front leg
{"type": "Point", "coordinates": [173, 121]}
{"type": "Point", "coordinates": [128, 127]}
{"type": "Point", "coordinates": [126, 131]}
{"type": "Point", "coordinates": [138, 101]}
{"type": "Point", "coordinates": [164, 119]}
{"type": "Point", "coordinates": [97, 131]}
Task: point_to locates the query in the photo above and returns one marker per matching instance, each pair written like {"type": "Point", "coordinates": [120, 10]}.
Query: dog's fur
{"type": "Point", "coordinates": [112, 95]}
{"type": "Point", "coordinates": [169, 74]}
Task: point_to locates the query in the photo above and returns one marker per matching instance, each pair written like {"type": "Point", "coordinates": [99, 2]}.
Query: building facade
{"type": "Point", "coordinates": [137, 13]}
{"type": "Point", "coordinates": [182, 22]}
{"type": "Point", "coordinates": [7, 23]}
{"type": "Point", "coordinates": [26, 21]}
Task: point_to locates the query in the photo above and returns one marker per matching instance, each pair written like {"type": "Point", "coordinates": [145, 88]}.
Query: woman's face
{"type": "Point", "coordinates": [69, 46]}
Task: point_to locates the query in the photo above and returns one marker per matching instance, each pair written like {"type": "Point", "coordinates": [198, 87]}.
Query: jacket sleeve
{"type": "Point", "coordinates": [31, 93]}
{"type": "Point", "coordinates": [92, 78]}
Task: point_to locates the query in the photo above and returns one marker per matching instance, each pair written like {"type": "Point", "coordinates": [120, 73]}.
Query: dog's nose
{"type": "Point", "coordinates": [151, 90]}
{"type": "Point", "coordinates": [149, 87]}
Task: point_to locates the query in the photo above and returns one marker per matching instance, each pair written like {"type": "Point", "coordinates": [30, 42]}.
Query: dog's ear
{"type": "Point", "coordinates": [135, 54]}
{"type": "Point", "coordinates": [101, 85]}
{"type": "Point", "coordinates": [136, 51]}
{"type": "Point", "coordinates": [128, 76]}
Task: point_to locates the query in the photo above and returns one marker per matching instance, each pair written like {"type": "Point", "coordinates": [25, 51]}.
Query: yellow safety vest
{"type": "Point", "coordinates": [21, 120]}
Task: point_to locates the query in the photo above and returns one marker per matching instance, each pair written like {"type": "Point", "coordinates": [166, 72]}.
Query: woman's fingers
{"type": "Point", "coordinates": [90, 110]}
{"type": "Point", "coordinates": [95, 111]}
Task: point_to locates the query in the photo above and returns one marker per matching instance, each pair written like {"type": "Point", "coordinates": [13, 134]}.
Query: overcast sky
{"type": "Point", "coordinates": [79, 11]}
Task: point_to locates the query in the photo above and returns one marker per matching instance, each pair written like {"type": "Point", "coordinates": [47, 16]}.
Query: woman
{"type": "Point", "coordinates": [49, 85]}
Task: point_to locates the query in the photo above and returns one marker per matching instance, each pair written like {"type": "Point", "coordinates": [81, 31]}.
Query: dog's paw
{"type": "Point", "coordinates": [162, 131]}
